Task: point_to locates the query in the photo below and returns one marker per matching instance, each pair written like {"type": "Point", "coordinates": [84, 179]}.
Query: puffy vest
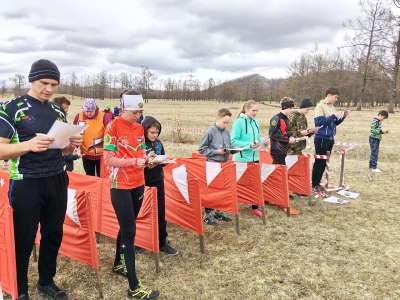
{"type": "Point", "coordinates": [92, 144]}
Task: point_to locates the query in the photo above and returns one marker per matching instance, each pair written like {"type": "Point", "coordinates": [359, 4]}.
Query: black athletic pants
{"type": "Point", "coordinates": [44, 201]}
{"type": "Point", "coordinates": [322, 146]}
{"type": "Point", "coordinates": [91, 166]}
{"type": "Point", "coordinates": [127, 204]}
{"type": "Point", "coordinates": [278, 158]}
{"type": "Point", "coordinates": [162, 223]}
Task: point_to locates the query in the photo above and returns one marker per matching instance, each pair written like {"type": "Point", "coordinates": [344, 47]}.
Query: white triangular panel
{"type": "Point", "coordinates": [72, 207]}
{"type": "Point", "coordinates": [241, 167]}
{"type": "Point", "coordinates": [212, 171]}
{"type": "Point", "coordinates": [291, 160]}
{"type": "Point", "coordinates": [179, 175]}
{"type": "Point", "coordinates": [266, 170]}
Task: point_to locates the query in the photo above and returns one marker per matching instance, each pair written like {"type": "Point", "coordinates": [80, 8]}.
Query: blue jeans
{"type": "Point", "coordinates": [374, 145]}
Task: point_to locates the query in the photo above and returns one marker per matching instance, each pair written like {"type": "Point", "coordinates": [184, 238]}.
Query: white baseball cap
{"type": "Point", "coordinates": [132, 102]}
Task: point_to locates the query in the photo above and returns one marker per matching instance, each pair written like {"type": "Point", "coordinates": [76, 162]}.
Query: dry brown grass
{"type": "Point", "coordinates": [327, 252]}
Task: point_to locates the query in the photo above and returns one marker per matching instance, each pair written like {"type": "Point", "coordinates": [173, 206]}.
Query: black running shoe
{"type": "Point", "coordinates": [209, 219]}
{"type": "Point", "coordinates": [219, 215]}
{"type": "Point", "coordinates": [23, 296]}
{"type": "Point", "coordinates": [51, 292]}
{"type": "Point", "coordinates": [139, 250]}
{"type": "Point", "coordinates": [141, 292]}
{"type": "Point", "coordinates": [168, 250]}
{"type": "Point", "coordinates": [120, 270]}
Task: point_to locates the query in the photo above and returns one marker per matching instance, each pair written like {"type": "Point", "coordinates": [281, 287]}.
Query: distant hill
{"type": "Point", "coordinates": [254, 86]}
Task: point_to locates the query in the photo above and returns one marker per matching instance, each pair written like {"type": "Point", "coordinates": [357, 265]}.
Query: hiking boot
{"type": "Point", "coordinates": [168, 250]}
{"type": "Point", "coordinates": [209, 219]}
{"type": "Point", "coordinates": [219, 215]}
{"type": "Point", "coordinates": [141, 292]}
{"type": "Point", "coordinates": [256, 213]}
{"type": "Point", "coordinates": [51, 292]}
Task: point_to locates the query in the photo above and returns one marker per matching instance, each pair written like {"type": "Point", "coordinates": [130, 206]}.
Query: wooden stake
{"type": "Point", "coordinates": [202, 244]}
{"type": "Point", "coordinates": [157, 262]}
{"type": "Point", "coordinates": [263, 215]}
{"type": "Point", "coordinates": [35, 259]}
{"type": "Point", "coordinates": [342, 159]}
{"type": "Point", "coordinates": [237, 224]}
{"type": "Point", "coordinates": [99, 284]}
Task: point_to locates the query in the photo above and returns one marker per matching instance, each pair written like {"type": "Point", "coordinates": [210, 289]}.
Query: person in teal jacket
{"type": "Point", "coordinates": [246, 135]}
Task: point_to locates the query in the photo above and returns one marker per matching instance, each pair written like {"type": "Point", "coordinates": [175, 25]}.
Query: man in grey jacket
{"type": "Point", "coordinates": [215, 145]}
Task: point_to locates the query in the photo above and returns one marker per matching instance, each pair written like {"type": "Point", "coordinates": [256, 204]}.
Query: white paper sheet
{"type": "Point", "coordinates": [61, 132]}
{"type": "Point", "coordinates": [335, 200]}
{"type": "Point", "coordinates": [160, 158]}
{"type": "Point", "coordinates": [169, 161]}
{"type": "Point", "coordinates": [348, 194]}
{"type": "Point", "coordinates": [237, 149]}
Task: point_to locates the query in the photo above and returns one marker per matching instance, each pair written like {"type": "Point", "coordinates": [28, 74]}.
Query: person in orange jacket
{"type": "Point", "coordinates": [92, 146]}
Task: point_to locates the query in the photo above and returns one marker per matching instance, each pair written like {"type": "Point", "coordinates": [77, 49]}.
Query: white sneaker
{"type": "Point", "coordinates": [376, 170]}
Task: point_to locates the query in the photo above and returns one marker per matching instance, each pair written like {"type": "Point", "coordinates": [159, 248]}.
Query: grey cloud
{"type": "Point", "coordinates": [179, 36]}
{"type": "Point", "coordinates": [17, 14]}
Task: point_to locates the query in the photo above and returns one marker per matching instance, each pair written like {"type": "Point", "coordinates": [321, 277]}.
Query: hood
{"type": "Point", "coordinates": [147, 122]}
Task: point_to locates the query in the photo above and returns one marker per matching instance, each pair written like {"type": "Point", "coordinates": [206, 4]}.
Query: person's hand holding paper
{"type": "Point", "coordinates": [65, 134]}
{"type": "Point", "coordinates": [40, 142]}
{"type": "Point", "coordinates": [76, 140]}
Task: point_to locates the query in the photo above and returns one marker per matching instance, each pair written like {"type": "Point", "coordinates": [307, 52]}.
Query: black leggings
{"type": "Point", "coordinates": [91, 166]}
{"type": "Point", "coordinates": [44, 201]}
{"type": "Point", "coordinates": [127, 204]}
{"type": "Point", "coordinates": [322, 146]}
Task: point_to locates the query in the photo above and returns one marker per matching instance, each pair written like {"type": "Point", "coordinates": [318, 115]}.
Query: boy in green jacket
{"type": "Point", "coordinates": [375, 139]}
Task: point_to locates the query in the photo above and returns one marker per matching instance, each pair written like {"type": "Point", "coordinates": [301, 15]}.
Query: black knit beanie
{"type": "Point", "coordinates": [287, 103]}
{"type": "Point", "coordinates": [44, 69]}
{"type": "Point", "coordinates": [306, 103]}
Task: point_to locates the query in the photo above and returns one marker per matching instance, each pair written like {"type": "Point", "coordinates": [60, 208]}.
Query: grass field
{"type": "Point", "coordinates": [327, 252]}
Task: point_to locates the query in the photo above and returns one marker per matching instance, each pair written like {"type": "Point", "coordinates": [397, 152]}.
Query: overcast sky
{"type": "Point", "coordinates": [220, 39]}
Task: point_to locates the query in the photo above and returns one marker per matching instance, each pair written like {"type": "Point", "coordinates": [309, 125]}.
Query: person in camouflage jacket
{"type": "Point", "coordinates": [298, 126]}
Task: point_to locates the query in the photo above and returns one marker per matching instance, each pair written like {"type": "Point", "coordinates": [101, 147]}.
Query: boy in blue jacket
{"type": "Point", "coordinates": [326, 118]}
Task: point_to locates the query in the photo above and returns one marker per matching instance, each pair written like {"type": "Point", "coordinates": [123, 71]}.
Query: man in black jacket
{"type": "Point", "coordinates": [38, 185]}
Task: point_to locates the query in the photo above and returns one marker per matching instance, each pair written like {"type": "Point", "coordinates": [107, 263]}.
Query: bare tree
{"type": "Point", "coordinates": [393, 26]}
{"type": "Point", "coordinates": [3, 88]}
{"type": "Point", "coordinates": [210, 89]}
{"type": "Point", "coordinates": [369, 33]}
{"type": "Point", "coordinates": [18, 81]}
{"type": "Point", "coordinates": [145, 82]}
